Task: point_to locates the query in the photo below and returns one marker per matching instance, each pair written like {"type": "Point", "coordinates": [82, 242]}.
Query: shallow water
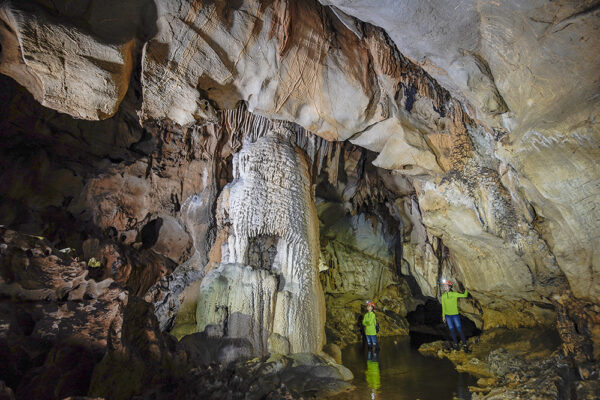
{"type": "Point", "coordinates": [400, 372]}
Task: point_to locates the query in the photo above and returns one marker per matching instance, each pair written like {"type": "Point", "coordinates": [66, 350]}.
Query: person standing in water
{"type": "Point", "coordinates": [370, 323]}
{"type": "Point", "coordinates": [450, 313]}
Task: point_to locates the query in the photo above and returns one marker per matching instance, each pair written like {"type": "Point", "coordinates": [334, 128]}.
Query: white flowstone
{"type": "Point", "coordinates": [270, 196]}
{"type": "Point", "coordinates": [239, 300]}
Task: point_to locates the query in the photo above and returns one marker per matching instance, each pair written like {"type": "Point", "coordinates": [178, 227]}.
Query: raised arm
{"type": "Point", "coordinates": [465, 294]}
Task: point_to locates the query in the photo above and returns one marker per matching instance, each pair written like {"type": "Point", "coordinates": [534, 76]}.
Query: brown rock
{"type": "Point", "coordinates": [59, 320]}
{"type": "Point", "coordinates": [334, 351]}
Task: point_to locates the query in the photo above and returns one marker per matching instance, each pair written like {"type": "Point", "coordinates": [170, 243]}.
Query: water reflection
{"type": "Point", "coordinates": [372, 373]}
{"type": "Point", "coordinates": [398, 371]}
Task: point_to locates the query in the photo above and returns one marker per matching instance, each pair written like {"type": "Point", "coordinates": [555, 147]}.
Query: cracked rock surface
{"type": "Point", "coordinates": [252, 167]}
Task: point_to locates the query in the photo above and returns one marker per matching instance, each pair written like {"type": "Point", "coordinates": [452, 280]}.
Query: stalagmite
{"type": "Point", "coordinates": [278, 304]}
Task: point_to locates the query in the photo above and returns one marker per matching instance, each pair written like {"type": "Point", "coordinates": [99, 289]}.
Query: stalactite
{"type": "Point", "coordinates": [240, 125]}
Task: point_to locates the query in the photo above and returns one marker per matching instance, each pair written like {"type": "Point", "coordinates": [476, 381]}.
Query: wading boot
{"type": "Point", "coordinates": [466, 348]}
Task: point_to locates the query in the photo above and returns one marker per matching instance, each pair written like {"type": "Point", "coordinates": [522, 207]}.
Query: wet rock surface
{"type": "Point", "coordinates": [521, 363]}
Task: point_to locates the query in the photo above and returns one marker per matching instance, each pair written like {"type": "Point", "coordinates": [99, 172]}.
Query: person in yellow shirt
{"type": "Point", "coordinates": [370, 323]}
{"type": "Point", "coordinates": [450, 313]}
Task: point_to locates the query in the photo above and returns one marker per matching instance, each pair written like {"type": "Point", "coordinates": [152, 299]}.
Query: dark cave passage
{"type": "Point", "coordinates": [426, 324]}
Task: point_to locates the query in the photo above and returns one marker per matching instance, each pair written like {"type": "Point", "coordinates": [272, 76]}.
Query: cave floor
{"type": "Point", "coordinates": [399, 372]}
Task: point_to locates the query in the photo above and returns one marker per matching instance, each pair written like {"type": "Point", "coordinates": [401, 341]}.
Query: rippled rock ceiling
{"type": "Point", "coordinates": [262, 168]}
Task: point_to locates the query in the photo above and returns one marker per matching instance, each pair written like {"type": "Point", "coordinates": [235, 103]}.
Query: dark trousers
{"type": "Point", "coordinates": [371, 340]}
{"type": "Point", "coordinates": [454, 325]}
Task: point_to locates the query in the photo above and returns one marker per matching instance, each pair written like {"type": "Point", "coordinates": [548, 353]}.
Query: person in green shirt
{"type": "Point", "coordinates": [370, 323]}
{"type": "Point", "coordinates": [450, 313]}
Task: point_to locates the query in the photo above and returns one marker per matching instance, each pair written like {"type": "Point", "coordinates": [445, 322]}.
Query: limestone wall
{"type": "Point", "coordinates": [487, 138]}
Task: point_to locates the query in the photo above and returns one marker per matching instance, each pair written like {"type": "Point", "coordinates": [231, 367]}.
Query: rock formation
{"type": "Point", "coordinates": [266, 287]}
{"type": "Point", "coordinates": [478, 52]}
{"type": "Point", "coordinates": [360, 248]}
{"type": "Point", "coordinates": [55, 322]}
{"type": "Point", "coordinates": [245, 169]}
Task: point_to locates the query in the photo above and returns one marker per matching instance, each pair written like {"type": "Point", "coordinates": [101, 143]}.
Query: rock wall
{"type": "Point", "coordinates": [361, 248]}
{"type": "Point", "coordinates": [506, 63]}
{"type": "Point", "coordinates": [358, 265]}
{"type": "Point", "coordinates": [491, 148]}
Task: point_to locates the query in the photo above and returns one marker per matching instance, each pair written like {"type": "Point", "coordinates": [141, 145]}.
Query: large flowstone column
{"type": "Point", "coordinates": [266, 287]}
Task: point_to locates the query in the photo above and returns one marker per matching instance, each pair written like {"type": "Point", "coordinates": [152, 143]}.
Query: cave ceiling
{"type": "Point", "coordinates": [488, 110]}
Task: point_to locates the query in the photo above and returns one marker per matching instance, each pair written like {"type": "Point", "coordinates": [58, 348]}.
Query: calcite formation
{"type": "Point", "coordinates": [181, 144]}
{"type": "Point", "coordinates": [266, 287]}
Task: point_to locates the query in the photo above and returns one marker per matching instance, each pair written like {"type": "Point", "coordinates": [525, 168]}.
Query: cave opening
{"type": "Point", "coordinates": [149, 233]}
{"type": "Point", "coordinates": [367, 229]}
{"type": "Point", "coordinates": [359, 247]}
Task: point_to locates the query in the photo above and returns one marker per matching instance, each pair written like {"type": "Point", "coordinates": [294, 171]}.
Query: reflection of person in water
{"type": "Point", "coordinates": [372, 373]}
